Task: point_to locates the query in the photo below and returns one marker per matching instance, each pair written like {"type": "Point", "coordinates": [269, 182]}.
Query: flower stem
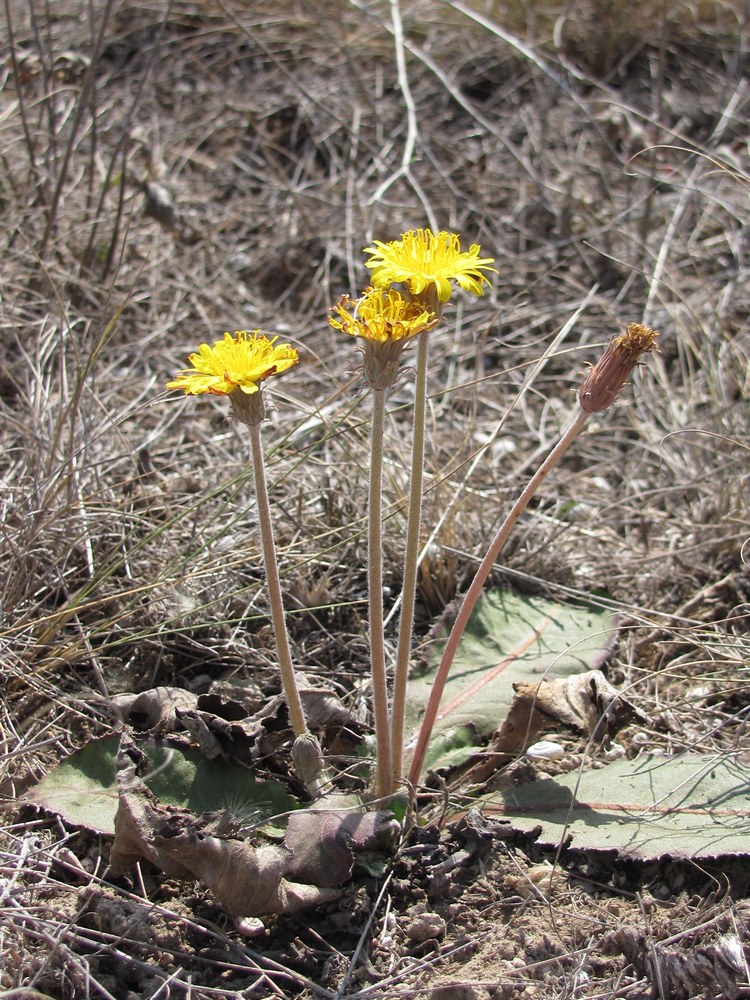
{"type": "Point", "coordinates": [411, 564]}
{"type": "Point", "coordinates": [375, 589]}
{"type": "Point", "coordinates": [294, 702]}
{"type": "Point", "coordinates": [575, 424]}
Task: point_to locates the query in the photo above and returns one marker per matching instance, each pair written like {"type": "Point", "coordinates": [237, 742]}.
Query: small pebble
{"type": "Point", "coordinates": [426, 926]}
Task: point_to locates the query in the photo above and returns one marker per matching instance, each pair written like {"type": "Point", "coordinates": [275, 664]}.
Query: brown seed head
{"type": "Point", "coordinates": [604, 381]}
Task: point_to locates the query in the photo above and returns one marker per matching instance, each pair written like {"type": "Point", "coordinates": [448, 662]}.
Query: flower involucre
{"type": "Point", "coordinates": [422, 258]}
{"type": "Point", "coordinates": [604, 381]}
{"type": "Point", "coordinates": [385, 322]}
{"type": "Point", "coordinates": [240, 361]}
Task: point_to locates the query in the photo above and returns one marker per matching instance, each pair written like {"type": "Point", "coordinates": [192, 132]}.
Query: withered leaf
{"type": "Point", "coordinates": [248, 879]}
{"type": "Point", "coordinates": [323, 708]}
{"type": "Point", "coordinates": [154, 709]}
{"type": "Point", "coordinates": [324, 843]}
{"type": "Point", "coordinates": [220, 737]}
{"type": "Point", "coordinates": [139, 815]}
{"type": "Point", "coordinates": [586, 703]}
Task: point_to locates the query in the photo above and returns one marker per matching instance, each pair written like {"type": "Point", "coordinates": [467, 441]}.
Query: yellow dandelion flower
{"type": "Point", "coordinates": [422, 258]}
{"type": "Point", "coordinates": [382, 316]}
{"type": "Point", "coordinates": [385, 322]}
{"type": "Point", "coordinates": [240, 361]}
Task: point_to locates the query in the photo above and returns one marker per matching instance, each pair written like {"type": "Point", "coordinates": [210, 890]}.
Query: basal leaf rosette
{"type": "Point", "coordinates": [239, 361]}
{"type": "Point", "coordinates": [384, 321]}
{"type": "Point", "coordinates": [427, 263]}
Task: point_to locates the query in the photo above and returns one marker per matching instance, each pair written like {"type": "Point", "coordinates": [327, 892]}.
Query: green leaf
{"type": "Point", "coordinates": [82, 788]}
{"type": "Point", "coordinates": [510, 638]}
{"type": "Point", "coordinates": [691, 806]}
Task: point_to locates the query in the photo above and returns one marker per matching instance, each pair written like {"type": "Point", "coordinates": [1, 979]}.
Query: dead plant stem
{"type": "Point", "coordinates": [81, 105]}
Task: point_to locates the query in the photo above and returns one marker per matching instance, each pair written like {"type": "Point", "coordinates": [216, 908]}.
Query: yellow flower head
{"type": "Point", "coordinates": [422, 258]}
{"type": "Point", "coordinates": [385, 321]}
{"type": "Point", "coordinates": [382, 316]}
{"type": "Point", "coordinates": [240, 361]}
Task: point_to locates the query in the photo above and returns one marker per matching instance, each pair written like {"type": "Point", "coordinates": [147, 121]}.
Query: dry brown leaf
{"type": "Point", "coordinates": [586, 703]}
{"type": "Point", "coordinates": [718, 967]}
{"type": "Point", "coordinates": [250, 880]}
{"type": "Point", "coordinates": [323, 708]}
{"type": "Point", "coordinates": [326, 841]}
{"type": "Point", "coordinates": [221, 726]}
{"type": "Point", "coordinates": [154, 709]}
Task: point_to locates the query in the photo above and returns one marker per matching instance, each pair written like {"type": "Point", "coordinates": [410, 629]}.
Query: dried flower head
{"type": "Point", "coordinates": [605, 380]}
{"type": "Point", "coordinates": [385, 322]}
{"type": "Point", "coordinates": [425, 261]}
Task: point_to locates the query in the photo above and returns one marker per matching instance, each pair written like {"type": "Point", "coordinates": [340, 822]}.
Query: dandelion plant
{"type": "Point", "coordinates": [236, 366]}
{"type": "Point", "coordinates": [385, 319]}
{"type": "Point", "coordinates": [384, 322]}
{"type": "Point", "coordinates": [426, 263]}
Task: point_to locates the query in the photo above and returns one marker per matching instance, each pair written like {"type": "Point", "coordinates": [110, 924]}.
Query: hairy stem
{"type": "Point", "coordinates": [294, 702]}
{"type": "Point", "coordinates": [575, 424]}
{"type": "Point", "coordinates": [411, 564]}
{"type": "Point", "coordinates": [375, 590]}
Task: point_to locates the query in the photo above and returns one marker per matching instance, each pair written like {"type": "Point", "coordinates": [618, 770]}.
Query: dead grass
{"type": "Point", "coordinates": [169, 173]}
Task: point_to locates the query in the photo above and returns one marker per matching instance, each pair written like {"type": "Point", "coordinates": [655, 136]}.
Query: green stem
{"type": "Point", "coordinates": [375, 589]}
{"type": "Point", "coordinates": [411, 564]}
{"type": "Point", "coordinates": [473, 593]}
{"type": "Point", "coordinates": [294, 702]}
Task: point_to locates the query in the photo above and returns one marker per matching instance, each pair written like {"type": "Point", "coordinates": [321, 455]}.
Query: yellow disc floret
{"type": "Point", "coordinates": [382, 316]}
{"type": "Point", "coordinates": [384, 321]}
